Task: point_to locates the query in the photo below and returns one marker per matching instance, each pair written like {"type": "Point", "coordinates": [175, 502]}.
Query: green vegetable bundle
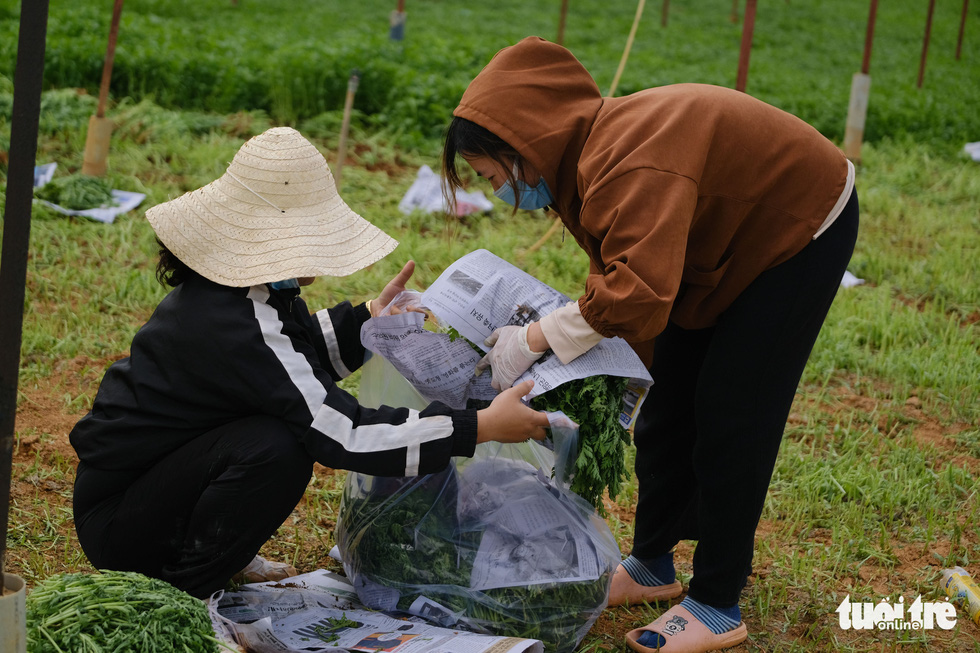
{"type": "Point", "coordinates": [595, 404]}
{"type": "Point", "coordinates": [115, 611]}
{"type": "Point", "coordinates": [77, 192]}
{"type": "Point", "coordinates": [410, 535]}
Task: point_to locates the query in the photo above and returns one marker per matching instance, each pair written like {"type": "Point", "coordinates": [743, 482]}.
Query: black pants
{"type": "Point", "coordinates": [710, 429]}
{"type": "Point", "coordinates": [201, 514]}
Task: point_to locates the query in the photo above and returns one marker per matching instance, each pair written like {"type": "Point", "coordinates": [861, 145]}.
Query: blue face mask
{"type": "Point", "coordinates": [285, 284]}
{"type": "Point", "coordinates": [532, 197]}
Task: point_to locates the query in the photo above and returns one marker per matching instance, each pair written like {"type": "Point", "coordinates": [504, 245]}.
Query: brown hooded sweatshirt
{"type": "Point", "coordinates": [681, 195]}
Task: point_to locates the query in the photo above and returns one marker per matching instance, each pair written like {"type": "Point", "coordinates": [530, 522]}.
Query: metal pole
{"type": "Point", "coordinates": [28, 75]}
{"type": "Point", "coordinates": [959, 39]}
{"type": "Point", "coordinates": [743, 58]}
{"type": "Point", "coordinates": [925, 43]}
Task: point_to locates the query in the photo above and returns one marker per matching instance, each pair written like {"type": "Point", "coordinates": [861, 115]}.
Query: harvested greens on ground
{"type": "Point", "coordinates": [115, 611]}
{"type": "Point", "coordinates": [77, 192]}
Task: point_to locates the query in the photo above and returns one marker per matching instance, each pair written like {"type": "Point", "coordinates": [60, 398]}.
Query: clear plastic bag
{"type": "Point", "coordinates": [492, 544]}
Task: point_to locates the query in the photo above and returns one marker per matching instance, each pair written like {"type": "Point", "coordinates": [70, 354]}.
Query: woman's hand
{"type": "Point", "coordinates": [511, 354]}
{"type": "Point", "coordinates": [395, 286]}
{"type": "Point", "coordinates": [508, 419]}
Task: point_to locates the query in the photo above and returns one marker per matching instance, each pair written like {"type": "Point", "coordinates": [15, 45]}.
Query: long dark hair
{"type": "Point", "coordinates": [466, 138]}
{"type": "Point", "coordinates": [171, 271]}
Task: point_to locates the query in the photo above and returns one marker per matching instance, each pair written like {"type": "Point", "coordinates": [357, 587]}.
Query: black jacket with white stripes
{"type": "Point", "coordinates": [212, 354]}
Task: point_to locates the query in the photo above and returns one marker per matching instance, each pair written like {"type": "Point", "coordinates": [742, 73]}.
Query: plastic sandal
{"type": "Point", "coordinates": [684, 634]}
{"type": "Point", "coordinates": [626, 590]}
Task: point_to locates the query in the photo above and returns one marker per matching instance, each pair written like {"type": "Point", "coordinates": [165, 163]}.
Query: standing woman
{"type": "Point", "coordinates": [718, 229]}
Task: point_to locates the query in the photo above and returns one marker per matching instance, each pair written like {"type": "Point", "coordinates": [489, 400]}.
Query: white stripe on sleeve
{"type": "Point", "coordinates": [334, 424]}
{"type": "Point", "coordinates": [333, 348]}
{"type": "Point", "coordinates": [297, 367]}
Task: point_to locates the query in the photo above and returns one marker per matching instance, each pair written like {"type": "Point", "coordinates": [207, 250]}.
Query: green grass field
{"type": "Point", "coordinates": [876, 487]}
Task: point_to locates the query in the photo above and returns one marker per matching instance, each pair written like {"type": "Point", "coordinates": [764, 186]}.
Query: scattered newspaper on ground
{"type": "Point", "coordinates": [319, 612]}
{"type": "Point", "coordinates": [475, 295]}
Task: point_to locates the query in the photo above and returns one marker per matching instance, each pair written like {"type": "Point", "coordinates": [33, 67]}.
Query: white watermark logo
{"type": "Point", "coordinates": [920, 615]}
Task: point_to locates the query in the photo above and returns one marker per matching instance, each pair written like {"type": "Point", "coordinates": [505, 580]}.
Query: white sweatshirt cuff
{"type": "Point", "coordinates": [567, 333]}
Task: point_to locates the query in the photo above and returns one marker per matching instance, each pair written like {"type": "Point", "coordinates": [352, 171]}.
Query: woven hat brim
{"type": "Point", "coordinates": [275, 214]}
{"type": "Point", "coordinates": [194, 228]}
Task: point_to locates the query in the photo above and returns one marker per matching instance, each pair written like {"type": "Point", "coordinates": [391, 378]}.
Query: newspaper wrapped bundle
{"type": "Point", "coordinates": [601, 390]}
{"type": "Point", "coordinates": [493, 544]}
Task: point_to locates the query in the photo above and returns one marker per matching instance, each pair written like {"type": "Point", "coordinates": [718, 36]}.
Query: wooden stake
{"type": "Point", "coordinates": [626, 50]}
{"type": "Point", "coordinates": [99, 128]}
{"type": "Point", "coordinates": [857, 109]}
{"type": "Point", "coordinates": [743, 57]}
{"type": "Point", "coordinates": [959, 39]}
{"type": "Point", "coordinates": [734, 16]}
{"type": "Point", "coordinates": [925, 43]}
{"type": "Point", "coordinates": [663, 13]}
{"type": "Point", "coordinates": [110, 57]}
{"type": "Point", "coordinates": [345, 126]}
{"type": "Point", "coordinates": [560, 40]}
{"type": "Point", "coordinates": [869, 38]}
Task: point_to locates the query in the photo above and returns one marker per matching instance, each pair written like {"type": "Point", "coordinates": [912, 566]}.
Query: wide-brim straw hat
{"type": "Point", "coordinates": [275, 214]}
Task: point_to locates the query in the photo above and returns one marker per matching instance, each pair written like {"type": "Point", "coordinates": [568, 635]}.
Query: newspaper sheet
{"type": "Point", "coordinates": [475, 295]}
{"type": "Point", "coordinates": [439, 367]}
{"type": "Point", "coordinates": [319, 612]}
{"type": "Point", "coordinates": [529, 537]}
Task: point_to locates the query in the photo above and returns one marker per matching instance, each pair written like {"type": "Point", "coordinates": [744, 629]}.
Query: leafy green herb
{"type": "Point", "coordinates": [595, 403]}
{"type": "Point", "coordinates": [115, 611]}
{"type": "Point", "coordinates": [329, 633]}
{"type": "Point", "coordinates": [77, 192]}
{"type": "Point", "coordinates": [454, 335]}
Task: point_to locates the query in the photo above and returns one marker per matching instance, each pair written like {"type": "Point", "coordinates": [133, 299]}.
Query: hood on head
{"type": "Point", "coordinates": [542, 101]}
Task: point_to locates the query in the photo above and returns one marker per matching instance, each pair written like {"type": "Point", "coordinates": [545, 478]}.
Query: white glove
{"type": "Point", "coordinates": [509, 358]}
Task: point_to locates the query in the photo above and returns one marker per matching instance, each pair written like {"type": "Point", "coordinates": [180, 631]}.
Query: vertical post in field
{"type": "Point", "coordinates": [25, 114]}
{"type": "Point", "coordinates": [857, 109]}
{"type": "Point", "coordinates": [99, 128]}
{"type": "Point", "coordinates": [629, 46]}
{"type": "Point", "coordinates": [959, 39]}
{"type": "Point", "coordinates": [396, 31]}
{"type": "Point", "coordinates": [925, 43]}
{"type": "Point", "coordinates": [345, 126]}
{"type": "Point", "coordinates": [664, 12]}
{"type": "Point", "coordinates": [560, 39]}
{"type": "Point", "coordinates": [743, 57]}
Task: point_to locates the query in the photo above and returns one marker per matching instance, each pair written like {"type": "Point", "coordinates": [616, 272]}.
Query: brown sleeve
{"type": "Point", "coordinates": [641, 221]}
